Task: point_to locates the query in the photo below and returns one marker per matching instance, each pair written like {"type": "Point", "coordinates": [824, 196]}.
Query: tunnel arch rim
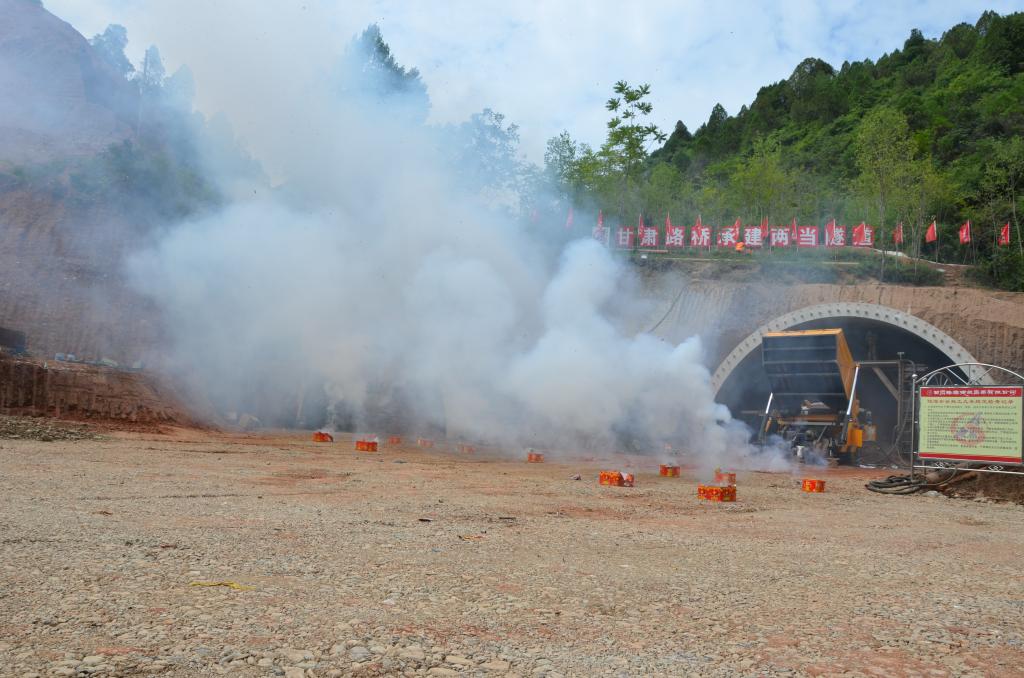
{"type": "Point", "coordinates": [922, 329]}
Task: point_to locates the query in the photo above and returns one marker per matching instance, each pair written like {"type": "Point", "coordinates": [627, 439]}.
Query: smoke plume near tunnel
{"type": "Point", "coordinates": [377, 273]}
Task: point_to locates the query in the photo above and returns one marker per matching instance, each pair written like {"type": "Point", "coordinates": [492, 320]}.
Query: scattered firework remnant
{"type": "Point", "coordinates": [395, 440]}
{"type": "Point", "coordinates": [321, 437]}
{"type": "Point", "coordinates": [615, 479]}
{"type": "Point", "coordinates": [725, 477]}
{"type": "Point", "coordinates": [716, 492]}
{"type": "Point", "coordinates": [813, 485]}
{"type": "Point", "coordinates": [667, 470]}
{"type": "Point", "coordinates": [366, 446]}
{"type": "Point", "coordinates": [424, 442]}
{"type": "Point", "coordinates": [534, 457]}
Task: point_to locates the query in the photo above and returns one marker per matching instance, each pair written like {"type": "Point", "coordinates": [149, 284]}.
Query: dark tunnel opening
{"type": "Point", "coordinates": [745, 391]}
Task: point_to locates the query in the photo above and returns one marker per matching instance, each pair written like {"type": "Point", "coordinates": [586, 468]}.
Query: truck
{"type": "Point", "coordinates": [813, 406]}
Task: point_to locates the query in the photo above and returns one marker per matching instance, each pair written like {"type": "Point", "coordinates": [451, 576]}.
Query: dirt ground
{"type": "Point", "coordinates": [432, 562]}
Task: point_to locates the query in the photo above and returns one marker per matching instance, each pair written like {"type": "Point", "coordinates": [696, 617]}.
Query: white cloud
{"type": "Point", "coordinates": [547, 65]}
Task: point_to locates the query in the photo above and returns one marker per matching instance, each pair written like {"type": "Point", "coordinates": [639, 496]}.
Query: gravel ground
{"type": "Point", "coordinates": [433, 563]}
{"type": "Point", "coordinates": [43, 430]}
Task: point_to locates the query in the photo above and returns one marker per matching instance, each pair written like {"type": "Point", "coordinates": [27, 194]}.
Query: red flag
{"type": "Point", "coordinates": [932, 234]}
{"type": "Point", "coordinates": [792, 230]}
{"type": "Point", "coordinates": [668, 221]}
{"type": "Point", "coordinates": [1004, 235]}
{"type": "Point", "coordinates": [600, 219]}
{"type": "Point", "coordinates": [965, 232]}
{"type": "Point", "coordinates": [568, 219]}
{"type": "Point", "coordinates": [835, 236]}
{"type": "Point", "coordinates": [897, 235]}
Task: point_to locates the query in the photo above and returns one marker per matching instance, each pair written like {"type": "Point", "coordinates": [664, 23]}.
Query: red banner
{"type": "Point", "coordinates": [835, 236]}
{"type": "Point", "coordinates": [728, 236]}
{"type": "Point", "coordinates": [863, 235]}
{"type": "Point", "coordinates": [649, 237]}
{"type": "Point", "coordinates": [700, 236]}
{"type": "Point", "coordinates": [675, 236]}
{"type": "Point", "coordinates": [807, 236]}
{"type": "Point", "coordinates": [780, 237]}
{"type": "Point", "coordinates": [753, 236]}
{"type": "Point", "coordinates": [625, 236]}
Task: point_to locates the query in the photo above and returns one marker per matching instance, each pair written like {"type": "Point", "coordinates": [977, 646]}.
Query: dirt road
{"type": "Point", "coordinates": [413, 562]}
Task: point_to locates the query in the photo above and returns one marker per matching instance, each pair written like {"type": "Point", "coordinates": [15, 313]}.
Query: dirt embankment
{"type": "Point", "coordinates": [125, 399]}
{"type": "Point", "coordinates": [987, 323]}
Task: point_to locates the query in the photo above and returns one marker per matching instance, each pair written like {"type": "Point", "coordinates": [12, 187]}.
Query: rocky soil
{"type": "Point", "coordinates": [41, 429]}
{"type": "Point", "coordinates": [206, 554]}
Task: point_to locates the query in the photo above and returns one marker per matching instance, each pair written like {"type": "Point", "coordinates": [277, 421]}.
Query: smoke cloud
{"type": "Point", "coordinates": [383, 287]}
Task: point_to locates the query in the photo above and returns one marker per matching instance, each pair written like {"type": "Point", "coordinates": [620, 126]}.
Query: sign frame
{"type": "Point", "coordinates": [990, 385]}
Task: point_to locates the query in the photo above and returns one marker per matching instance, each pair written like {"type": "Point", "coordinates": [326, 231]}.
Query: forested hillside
{"type": "Point", "coordinates": [932, 131]}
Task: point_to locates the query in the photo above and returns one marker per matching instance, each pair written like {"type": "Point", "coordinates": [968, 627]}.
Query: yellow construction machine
{"type": "Point", "coordinates": [813, 406]}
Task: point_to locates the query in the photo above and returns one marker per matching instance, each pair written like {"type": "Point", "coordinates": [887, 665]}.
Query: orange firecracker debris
{"type": "Point", "coordinates": [724, 477]}
{"type": "Point", "coordinates": [366, 446]}
{"type": "Point", "coordinates": [424, 442]}
{"type": "Point", "coordinates": [716, 492]}
{"type": "Point", "coordinates": [667, 470]}
{"type": "Point", "coordinates": [534, 457]}
{"type": "Point", "coordinates": [395, 440]}
{"type": "Point", "coordinates": [321, 437]}
{"type": "Point", "coordinates": [615, 479]}
{"type": "Point", "coordinates": [812, 485]}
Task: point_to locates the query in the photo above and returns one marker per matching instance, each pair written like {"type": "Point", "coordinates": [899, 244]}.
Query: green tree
{"type": "Point", "coordinates": [369, 70]}
{"type": "Point", "coordinates": [885, 159]}
{"type": "Point", "coordinates": [109, 45]}
{"type": "Point", "coordinates": [151, 75]}
{"type": "Point", "coordinates": [630, 136]}
{"type": "Point", "coordinates": [565, 166]}
{"type": "Point", "coordinates": [761, 183]}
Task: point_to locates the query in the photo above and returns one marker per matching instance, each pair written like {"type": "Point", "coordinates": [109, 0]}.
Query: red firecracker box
{"type": "Point", "coordinates": [812, 485]}
{"type": "Point", "coordinates": [366, 446]}
{"type": "Point", "coordinates": [724, 477]}
{"type": "Point", "coordinates": [424, 442]}
{"type": "Point", "coordinates": [534, 457]}
{"type": "Point", "coordinates": [466, 449]}
{"type": "Point", "coordinates": [321, 437]}
{"type": "Point", "coordinates": [716, 492]}
{"type": "Point", "coordinates": [615, 479]}
{"type": "Point", "coordinates": [395, 440]}
{"type": "Point", "coordinates": [669, 471]}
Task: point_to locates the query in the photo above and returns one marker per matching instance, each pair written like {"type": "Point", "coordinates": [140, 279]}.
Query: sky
{"type": "Point", "coordinates": [547, 65]}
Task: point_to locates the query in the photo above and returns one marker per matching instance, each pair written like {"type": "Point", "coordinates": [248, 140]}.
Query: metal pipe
{"type": "Point", "coordinates": [769, 405]}
{"type": "Point", "coordinates": [853, 391]}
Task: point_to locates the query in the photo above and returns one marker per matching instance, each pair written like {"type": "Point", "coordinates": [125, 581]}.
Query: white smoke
{"type": "Point", "coordinates": [377, 273]}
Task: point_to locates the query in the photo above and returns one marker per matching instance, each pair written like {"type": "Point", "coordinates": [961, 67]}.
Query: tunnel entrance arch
{"type": "Point", "coordinates": [873, 332]}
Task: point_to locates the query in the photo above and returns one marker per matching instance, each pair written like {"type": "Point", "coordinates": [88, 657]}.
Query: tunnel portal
{"type": "Point", "coordinates": [877, 335]}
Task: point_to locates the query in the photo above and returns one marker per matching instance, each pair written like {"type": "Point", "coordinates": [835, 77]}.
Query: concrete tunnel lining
{"type": "Point", "coordinates": [925, 331]}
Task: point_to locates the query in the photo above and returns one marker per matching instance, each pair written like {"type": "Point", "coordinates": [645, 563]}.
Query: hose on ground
{"type": "Point", "coordinates": [898, 485]}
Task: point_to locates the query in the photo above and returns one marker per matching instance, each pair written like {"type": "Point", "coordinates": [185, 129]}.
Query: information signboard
{"type": "Point", "coordinates": [972, 423]}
